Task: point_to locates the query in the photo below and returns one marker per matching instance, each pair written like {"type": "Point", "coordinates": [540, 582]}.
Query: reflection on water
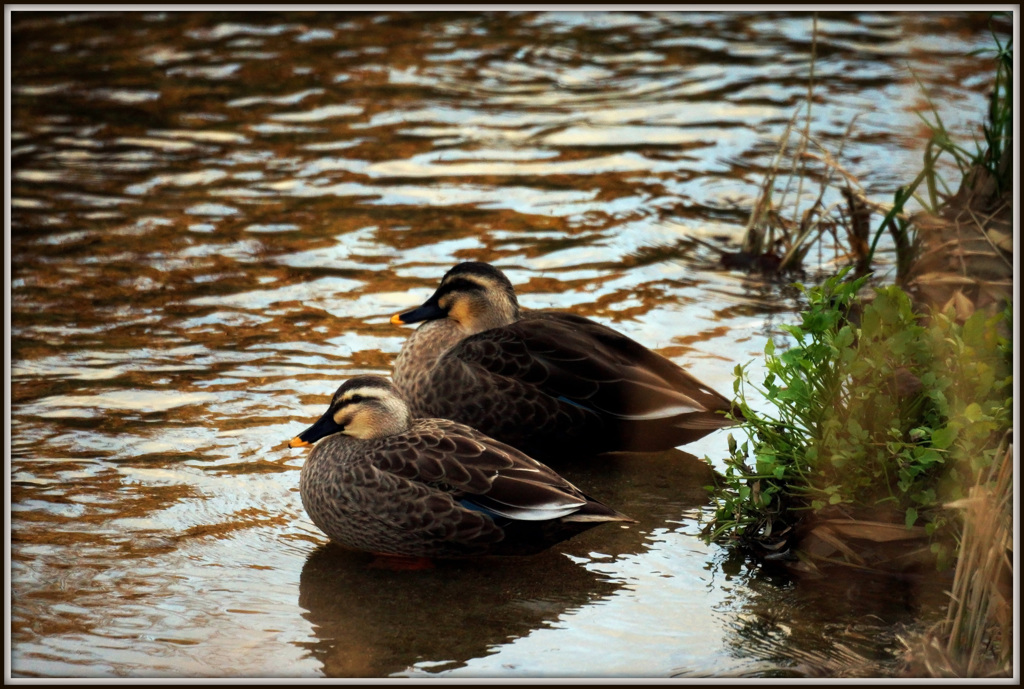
{"type": "Point", "coordinates": [374, 622]}
{"type": "Point", "coordinates": [213, 214]}
{"type": "Point", "coordinates": [848, 624]}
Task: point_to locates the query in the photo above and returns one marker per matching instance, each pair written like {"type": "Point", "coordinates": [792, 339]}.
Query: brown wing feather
{"type": "Point", "coordinates": [469, 466]}
{"type": "Point", "coordinates": [571, 357]}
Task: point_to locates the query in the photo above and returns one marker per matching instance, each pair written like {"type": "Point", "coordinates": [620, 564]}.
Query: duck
{"type": "Point", "coordinates": [556, 385]}
{"type": "Point", "coordinates": [381, 481]}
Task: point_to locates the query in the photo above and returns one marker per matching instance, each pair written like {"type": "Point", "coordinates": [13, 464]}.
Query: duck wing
{"type": "Point", "coordinates": [575, 359]}
{"type": "Point", "coordinates": [485, 475]}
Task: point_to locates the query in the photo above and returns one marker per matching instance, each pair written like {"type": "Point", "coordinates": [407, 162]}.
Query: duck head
{"type": "Point", "coordinates": [476, 296]}
{"type": "Point", "coordinates": [363, 407]}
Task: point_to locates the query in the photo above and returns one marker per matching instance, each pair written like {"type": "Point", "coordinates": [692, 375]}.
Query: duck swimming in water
{"type": "Point", "coordinates": [380, 481]}
{"type": "Point", "coordinates": [555, 385]}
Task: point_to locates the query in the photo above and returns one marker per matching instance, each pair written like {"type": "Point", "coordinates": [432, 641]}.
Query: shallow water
{"type": "Point", "coordinates": [213, 215]}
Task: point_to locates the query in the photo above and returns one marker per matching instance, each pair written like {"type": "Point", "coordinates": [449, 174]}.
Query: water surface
{"type": "Point", "coordinates": [213, 215]}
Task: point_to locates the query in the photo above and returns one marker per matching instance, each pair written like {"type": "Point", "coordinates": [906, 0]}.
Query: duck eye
{"type": "Point", "coordinates": [462, 285]}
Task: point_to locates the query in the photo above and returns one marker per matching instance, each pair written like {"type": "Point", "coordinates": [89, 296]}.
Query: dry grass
{"type": "Point", "coordinates": [794, 221]}
{"type": "Point", "coordinates": [962, 257]}
{"type": "Point", "coordinates": [976, 638]}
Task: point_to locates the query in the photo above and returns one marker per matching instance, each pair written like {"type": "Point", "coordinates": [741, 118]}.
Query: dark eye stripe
{"type": "Point", "coordinates": [460, 285]}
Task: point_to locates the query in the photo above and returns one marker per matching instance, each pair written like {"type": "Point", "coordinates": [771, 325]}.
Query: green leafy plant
{"type": "Point", "coordinates": [998, 129]}
{"type": "Point", "coordinates": [884, 420]}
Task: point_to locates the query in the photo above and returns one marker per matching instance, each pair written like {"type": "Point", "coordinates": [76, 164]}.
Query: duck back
{"type": "Point", "coordinates": [558, 386]}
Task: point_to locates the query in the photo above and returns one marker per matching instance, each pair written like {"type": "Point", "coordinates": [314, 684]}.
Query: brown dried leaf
{"type": "Point", "coordinates": [824, 534]}
{"type": "Point", "coordinates": [880, 532]}
{"type": "Point", "coordinates": [961, 305]}
{"type": "Point", "coordinates": [1001, 239]}
{"type": "Point", "coordinates": [944, 278]}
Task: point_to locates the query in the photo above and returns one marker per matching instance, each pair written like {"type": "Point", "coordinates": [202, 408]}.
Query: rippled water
{"type": "Point", "coordinates": [213, 216]}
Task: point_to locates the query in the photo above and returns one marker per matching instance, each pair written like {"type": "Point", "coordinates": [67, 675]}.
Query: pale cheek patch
{"type": "Point", "coordinates": [343, 417]}
{"type": "Point", "coordinates": [360, 425]}
{"type": "Point", "coordinates": [459, 311]}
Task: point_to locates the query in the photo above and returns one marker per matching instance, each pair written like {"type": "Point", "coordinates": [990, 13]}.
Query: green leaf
{"type": "Point", "coordinates": [844, 338]}
{"type": "Point", "coordinates": [855, 428]}
{"type": "Point", "coordinates": [974, 413]}
{"type": "Point", "coordinates": [911, 517]}
{"type": "Point", "coordinates": [927, 458]}
{"type": "Point", "coordinates": [943, 437]}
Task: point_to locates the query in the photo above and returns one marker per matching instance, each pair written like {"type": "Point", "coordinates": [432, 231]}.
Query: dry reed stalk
{"type": "Point", "coordinates": [796, 232]}
{"type": "Point", "coordinates": [807, 227]}
{"type": "Point", "coordinates": [768, 227]}
{"type": "Point", "coordinates": [807, 123]}
{"type": "Point", "coordinates": [755, 241]}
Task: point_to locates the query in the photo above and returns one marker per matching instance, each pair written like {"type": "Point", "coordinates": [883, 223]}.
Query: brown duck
{"type": "Point", "coordinates": [556, 385]}
{"type": "Point", "coordinates": [380, 481]}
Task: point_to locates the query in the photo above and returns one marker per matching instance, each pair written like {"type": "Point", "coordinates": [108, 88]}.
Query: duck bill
{"type": "Point", "coordinates": [428, 312]}
{"type": "Point", "coordinates": [324, 427]}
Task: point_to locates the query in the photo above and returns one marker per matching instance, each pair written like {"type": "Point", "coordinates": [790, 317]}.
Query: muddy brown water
{"type": "Point", "coordinates": [213, 215]}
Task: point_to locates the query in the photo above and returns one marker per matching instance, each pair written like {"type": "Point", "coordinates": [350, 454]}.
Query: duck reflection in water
{"type": "Point", "coordinates": [377, 622]}
{"type": "Point", "coordinates": [380, 481]}
{"type": "Point", "coordinates": [555, 385]}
